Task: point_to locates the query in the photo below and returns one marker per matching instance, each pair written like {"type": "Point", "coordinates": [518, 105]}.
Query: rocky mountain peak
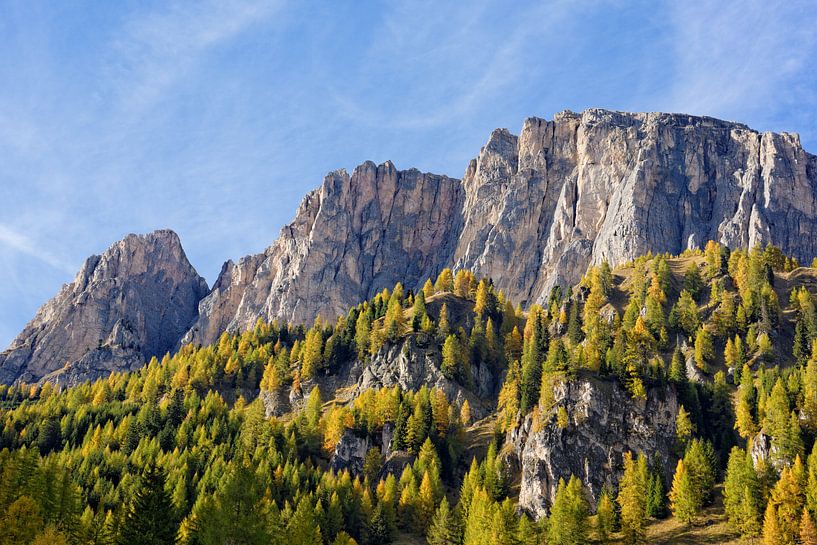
{"type": "Point", "coordinates": [130, 303]}
{"type": "Point", "coordinates": [350, 238]}
{"type": "Point", "coordinates": [532, 211]}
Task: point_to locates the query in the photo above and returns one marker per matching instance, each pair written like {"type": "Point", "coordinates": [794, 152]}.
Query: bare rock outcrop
{"type": "Point", "coordinates": [351, 238]}
{"type": "Point", "coordinates": [131, 303]}
{"type": "Point", "coordinates": [602, 185]}
{"type": "Point", "coordinates": [532, 211]}
{"type": "Point", "coordinates": [604, 422]}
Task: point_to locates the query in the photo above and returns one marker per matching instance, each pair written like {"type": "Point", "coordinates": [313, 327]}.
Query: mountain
{"type": "Point", "coordinates": [532, 211]}
{"type": "Point", "coordinates": [350, 238]}
{"type": "Point", "coordinates": [125, 306]}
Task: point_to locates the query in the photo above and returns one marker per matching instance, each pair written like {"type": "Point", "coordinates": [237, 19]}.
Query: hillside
{"type": "Point", "coordinates": [440, 412]}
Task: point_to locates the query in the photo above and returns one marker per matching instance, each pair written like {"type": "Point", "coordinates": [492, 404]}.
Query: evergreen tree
{"type": "Point", "coordinates": [744, 409]}
{"type": "Point", "coordinates": [568, 522]}
{"type": "Point", "coordinates": [741, 493]}
{"type": "Point", "coordinates": [428, 288]}
{"type": "Point", "coordinates": [424, 507]}
{"type": "Point", "coordinates": [678, 368]}
{"type": "Point", "coordinates": [771, 529]}
{"type": "Point", "coordinates": [808, 532]}
{"type": "Point", "coordinates": [684, 500]}
{"type": "Point", "coordinates": [605, 518]}
{"type": "Point", "coordinates": [150, 518]}
{"type": "Point", "coordinates": [443, 529]}
{"type": "Point", "coordinates": [693, 283]}
{"type": "Point", "coordinates": [632, 500]}
{"type": "Point", "coordinates": [704, 349]}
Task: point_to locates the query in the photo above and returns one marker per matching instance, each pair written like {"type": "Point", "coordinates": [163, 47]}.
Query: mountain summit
{"type": "Point", "coordinates": [130, 303]}
{"type": "Point", "coordinates": [532, 211]}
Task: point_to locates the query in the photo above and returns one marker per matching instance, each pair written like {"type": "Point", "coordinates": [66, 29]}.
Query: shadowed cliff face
{"type": "Point", "coordinates": [130, 303]}
{"type": "Point", "coordinates": [531, 212]}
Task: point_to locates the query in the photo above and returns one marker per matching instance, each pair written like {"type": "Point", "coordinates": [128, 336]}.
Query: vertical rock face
{"type": "Point", "coordinates": [130, 303]}
{"type": "Point", "coordinates": [604, 423]}
{"type": "Point", "coordinates": [351, 238]}
{"type": "Point", "coordinates": [567, 193]}
{"type": "Point", "coordinates": [531, 212]}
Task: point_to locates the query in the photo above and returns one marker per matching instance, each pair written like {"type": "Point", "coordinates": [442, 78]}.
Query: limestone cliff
{"type": "Point", "coordinates": [130, 303]}
{"type": "Point", "coordinates": [604, 422]}
{"type": "Point", "coordinates": [532, 211]}
{"type": "Point", "coordinates": [351, 238]}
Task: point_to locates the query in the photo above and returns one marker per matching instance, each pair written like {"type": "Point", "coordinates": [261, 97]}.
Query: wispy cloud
{"type": "Point", "coordinates": [19, 242]}
{"type": "Point", "coordinates": [453, 60]}
{"type": "Point", "coordinates": [158, 49]}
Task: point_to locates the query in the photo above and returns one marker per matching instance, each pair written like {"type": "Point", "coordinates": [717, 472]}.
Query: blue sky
{"type": "Point", "coordinates": [214, 118]}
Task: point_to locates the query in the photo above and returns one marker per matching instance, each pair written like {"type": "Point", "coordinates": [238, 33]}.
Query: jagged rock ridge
{"type": "Point", "coordinates": [531, 212]}
{"type": "Point", "coordinates": [351, 238]}
{"type": "Point", "coordinates": [131, 303]}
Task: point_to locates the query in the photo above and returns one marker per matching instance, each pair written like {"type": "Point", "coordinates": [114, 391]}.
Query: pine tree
{"type": "Point", "coordinates": [302, 527]}
{"type": "Point", "coordinates": [452, 354]}
{"type": "Point", "coordinates": [684, 314]}
{"type": "Point", "coordinates": [568, 522]}
{"type": "Point", "coordinates": [741, 493]}
{"type": "Point", "coordinates": [777, 419]}
{"type": "Point", "coordinates": [363, 328]}
{"type": "Point", "coordinates": [418, 311]}
{"type": "Point", "coordinates": [443, 328]}
{"type": "Point", "coordinates": [150, 518]}
{"type": "Point", "coordinates": [810, 392]}
{"type": "Point", "coordinates": [605, 518]}
{"type": "Point", "coordinates": [684, 500]}
{"type": "Point", "coordinates": [428, 288]}
{"type": "Point", "coordinates": [443, 529]}
{"type": "Point", "coordinates": [484, 304]}
{"type": "Point", "coordinates": [684, 428]}
{"type": "Point", "coordinates": [704, 349]}
{"type": "Point", "coordinates": [771, 529]}
{"type": "Point", "coordinates": [808, 532]}
{"type": "Point", "coordinates": [693, 282]}
{"type": "Point", "coordinates": [22, 521]}
{"type": "Point", "coordinates": [311, 358]}
{"type": "Point", "coordinates": [678, 368]}
{"type": "Point", "coordinates": [424, 506]}
{"type": "Point", "coordinates": [465, 413]}
{"type": "Point", "coordinates": [655, 494]}
{"type": "Point", "coordinates": [632, 500]}
{"type": "Point", "coordinates": [744, 419]}
{"type": "Point", "coordinates": [699, 462]}
{"type": "Point", "coordinates": [787, 500]}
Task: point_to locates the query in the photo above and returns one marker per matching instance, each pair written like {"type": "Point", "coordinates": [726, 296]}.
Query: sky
{"type": "Point", "coordinates": [214, 118]}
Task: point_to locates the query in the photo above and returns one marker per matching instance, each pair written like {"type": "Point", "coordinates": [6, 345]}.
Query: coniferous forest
{"type": "Point", "coordinates": [195, 447]}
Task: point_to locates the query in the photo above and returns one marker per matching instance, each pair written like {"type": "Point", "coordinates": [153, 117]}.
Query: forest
{"type": "Point", "coordinates": [185, 450]}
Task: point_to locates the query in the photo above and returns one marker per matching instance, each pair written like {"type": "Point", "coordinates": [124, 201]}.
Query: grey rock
{"type": "Point", "coordinates": [132, 302]}
{"type": "Point", "coordinates": [532, 211]}
{"type": "Point", "coordinates": [350, 453]}
{"type": "Point", "coordinates": [411, 366]}
{"type": "Point", "coordinates": [351, 238]}
{"type": "Point", "coordinates": [276, 402]}
{"type": "Point", "coordinates": [604, 423]}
